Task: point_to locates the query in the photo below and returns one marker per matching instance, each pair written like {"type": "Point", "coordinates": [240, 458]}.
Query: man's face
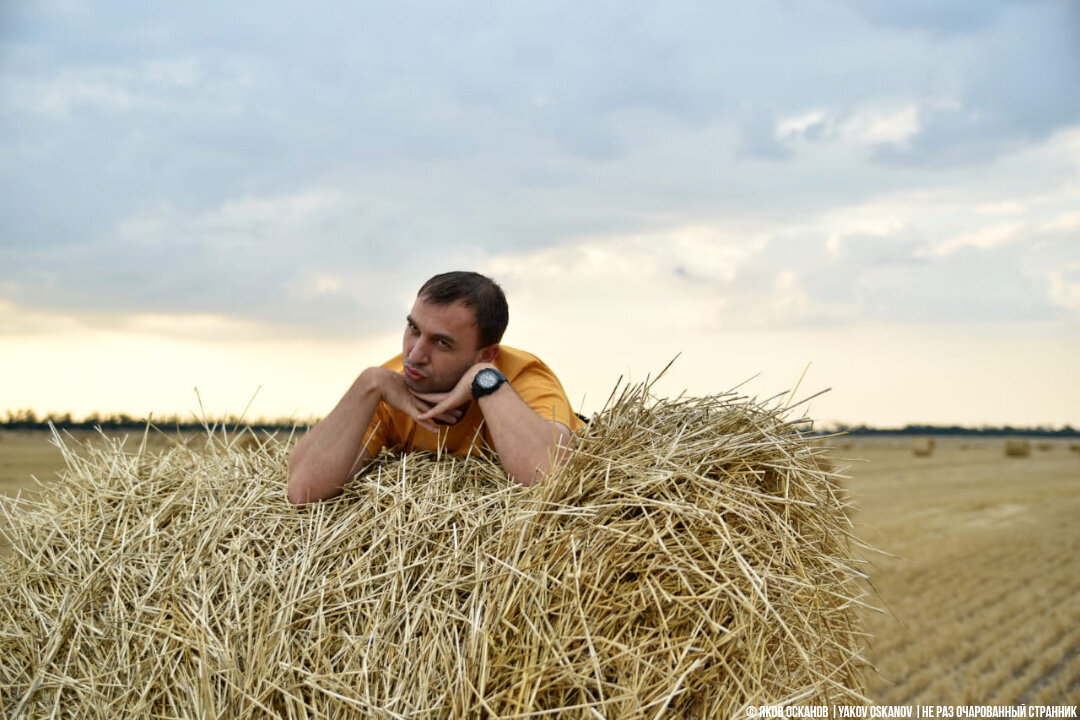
{"type": "Point", "coordinates": [441, 343]}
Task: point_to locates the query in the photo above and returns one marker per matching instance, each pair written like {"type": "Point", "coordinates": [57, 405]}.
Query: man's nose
{"type": "Point", "coordinates": [418, 354]}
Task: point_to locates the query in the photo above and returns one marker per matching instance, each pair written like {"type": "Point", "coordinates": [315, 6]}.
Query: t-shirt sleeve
{"type": "Point", "coordinates": [542, 391]}
{"type": "Point", "coordinates": [381, 432]}
{"type": "Point", "coordinates": [378, 432]}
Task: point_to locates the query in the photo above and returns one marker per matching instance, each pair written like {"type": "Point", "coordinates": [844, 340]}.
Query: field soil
{"type": "Point", "coordinates": [977, 567]}
{"type": "Point", "coordinates": [980, 589]}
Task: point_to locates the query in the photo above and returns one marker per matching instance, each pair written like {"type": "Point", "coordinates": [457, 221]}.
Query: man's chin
{"type": "Point", "coordinates": [425, 386]}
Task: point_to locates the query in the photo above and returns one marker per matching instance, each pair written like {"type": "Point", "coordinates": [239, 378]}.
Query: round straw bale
{"type": "Point", "coordinates": [247, 441]}
{"type": "Point", "coordinates": [1017, 447]}
{"type": "Point", "coordinates": [923, 447]}
{"type": "Point", "coordinates": [691, 558]}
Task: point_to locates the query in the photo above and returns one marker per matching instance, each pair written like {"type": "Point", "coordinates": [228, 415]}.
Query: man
{"type": "Point", "coordinates": [454, 388]}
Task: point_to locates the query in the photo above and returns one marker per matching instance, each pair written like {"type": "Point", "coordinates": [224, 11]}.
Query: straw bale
{"type": "Point", "coordinates": [692, 557]}
{"type": "Point", "coordinates": [1017, 447]}
{"type": "Point", "coordinates": [923, 447]}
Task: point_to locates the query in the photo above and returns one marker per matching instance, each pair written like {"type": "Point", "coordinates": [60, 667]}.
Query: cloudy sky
{"type": "Point", "coordinates": [240, 195]}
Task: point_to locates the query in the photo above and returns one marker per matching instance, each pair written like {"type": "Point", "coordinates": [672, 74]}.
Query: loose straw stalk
{"type": "Point", "coordinates": [692, 557]}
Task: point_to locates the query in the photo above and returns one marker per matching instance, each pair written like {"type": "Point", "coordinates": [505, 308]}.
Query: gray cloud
{"type": "Point", "coordinates": [759, 139]}
{"type": "Point", "coordinates": [899, 277]}
{"type": "Point", "coordinates": [957, 17]}
{"type": "Point", "coordinates": [1020, 89]}
{"type": "Point", "coordinates": [160, 159]}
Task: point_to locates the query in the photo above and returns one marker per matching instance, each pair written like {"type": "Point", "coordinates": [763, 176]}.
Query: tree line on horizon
{"type": "Point", "coordinates": [961, 430]}
{"type": "Point", "coordinates": [27, 419]}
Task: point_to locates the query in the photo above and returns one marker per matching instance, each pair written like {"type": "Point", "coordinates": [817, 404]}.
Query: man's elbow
{"type": "Point", "coordinates": [297, 494]}
{"type": "Point", "coordinates": [304, 493]}
{"type": "Point", "coordinates": [555, 456]}
{"type": "Point", "coordinates": [296, 491]}
{"type": "Point", "coordinates": [564, 445]}
{"type": "Point", "coordinates": [299, 491]}
{"type": "Point", "coordinates": [303, 487]}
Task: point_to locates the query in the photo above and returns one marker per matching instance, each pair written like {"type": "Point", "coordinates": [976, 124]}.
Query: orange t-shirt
{"type": "Point", "coordinates": [527, 374]}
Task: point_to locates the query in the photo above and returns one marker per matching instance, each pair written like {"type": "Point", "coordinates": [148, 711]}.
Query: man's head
{"type": "Point", "coordinates": [458, 320]}
{"type": "Point", "coordinates": [480, 294]}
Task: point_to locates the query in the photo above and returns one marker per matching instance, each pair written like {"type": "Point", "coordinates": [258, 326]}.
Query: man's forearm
{"type": "Point", "coordinates": [331, 452]}
{"type": "Point", "coordinates": [526, 443]}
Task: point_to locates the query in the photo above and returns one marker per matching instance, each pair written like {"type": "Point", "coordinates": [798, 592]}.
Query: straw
{"type": "Point", "coordinates": [692, 557]}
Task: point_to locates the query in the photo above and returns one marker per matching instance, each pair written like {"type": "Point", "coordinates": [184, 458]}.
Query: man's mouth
{"type": "Point", "coordinates": [413, 374]}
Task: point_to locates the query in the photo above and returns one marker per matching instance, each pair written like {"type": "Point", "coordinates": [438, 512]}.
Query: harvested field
{"type": "Point", "coordinates": [984, 588]}
{"type": "Point", "coordinates": [691, 558]}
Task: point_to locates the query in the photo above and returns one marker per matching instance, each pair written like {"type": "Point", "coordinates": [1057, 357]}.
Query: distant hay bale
{"type": "Point", "coordinates": [825, 464]}
{"type": "Point", "coordinates": [1017, 447]}
{"type": "Point", "coordinates": [691, 558]}
{"type": "Point", "coordinates": [1044, 446]}
{"type": "Point", "coordinates": [247, 442]}
{"type": "Point", "coordinates": [923, 447]}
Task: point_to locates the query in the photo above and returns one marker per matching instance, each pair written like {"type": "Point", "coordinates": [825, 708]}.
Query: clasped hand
{"type": "Point", "coordinates": [452, 403]}
{"type": "Point", "coordinates": [427, 409]}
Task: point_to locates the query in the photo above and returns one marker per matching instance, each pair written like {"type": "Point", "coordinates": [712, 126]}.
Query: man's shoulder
{"type": "Point", "coordinates": [538, 385]}
{"type": "Point", "coordinates": [514, 361]}
{"type": "Point", "coordinates": [396, 363]}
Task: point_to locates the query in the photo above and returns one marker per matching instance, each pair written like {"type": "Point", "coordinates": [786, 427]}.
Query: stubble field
{"type": "Point", "coordinates": [978, 578]}
{"type": "Point", "coordinates": [982, 585]}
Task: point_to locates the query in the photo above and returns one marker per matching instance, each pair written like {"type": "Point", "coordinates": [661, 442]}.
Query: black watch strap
{"type": "Point", "coordinates": [486, 382]}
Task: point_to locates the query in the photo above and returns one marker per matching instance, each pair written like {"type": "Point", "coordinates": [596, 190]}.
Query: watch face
{"type": "Point", "coordinates": [487, 379]}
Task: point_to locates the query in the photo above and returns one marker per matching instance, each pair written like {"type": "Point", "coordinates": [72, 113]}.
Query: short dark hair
{"type": "Point", "coordinates": [477, 292]}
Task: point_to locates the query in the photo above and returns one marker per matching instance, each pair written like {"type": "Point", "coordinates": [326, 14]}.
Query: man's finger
{"type": "Point", "coordinates": [430, 398]}
{"type": "Point", "coordinates": [423, 422]}
{"type": "Point", "coordinates": [434, 410]}
{"type": "Point", "coordinates": [448, 418]}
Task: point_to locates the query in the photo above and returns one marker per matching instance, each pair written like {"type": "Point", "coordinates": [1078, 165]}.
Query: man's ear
{"type": "Point", "coordinates": [489, 353]}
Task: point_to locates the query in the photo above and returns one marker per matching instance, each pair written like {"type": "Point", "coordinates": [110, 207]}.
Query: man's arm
{"type": "Point", "coordinates": [527, 444]}
{"type": "Point", "coordinates": [332, 452]}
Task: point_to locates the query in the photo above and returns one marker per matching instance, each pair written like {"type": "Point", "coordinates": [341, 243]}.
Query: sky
{"type": "Point", "coordinates": [878, 199]}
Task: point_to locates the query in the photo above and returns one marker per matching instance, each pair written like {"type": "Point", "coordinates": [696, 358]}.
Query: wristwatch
{"type": "Point", "coordinates": [486, 382]}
